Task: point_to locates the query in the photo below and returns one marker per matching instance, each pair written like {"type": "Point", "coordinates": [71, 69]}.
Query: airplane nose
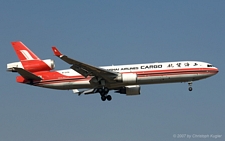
{"type": "Point", "coordinates": [216, 70]}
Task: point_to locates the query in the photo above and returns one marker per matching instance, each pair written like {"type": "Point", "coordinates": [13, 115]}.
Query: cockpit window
{"type": "Point", "coordinates": [209, 65]}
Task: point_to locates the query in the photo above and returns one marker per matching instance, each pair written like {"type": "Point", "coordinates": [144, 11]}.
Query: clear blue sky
{"type": "Point", "coordinates": [105, 33]}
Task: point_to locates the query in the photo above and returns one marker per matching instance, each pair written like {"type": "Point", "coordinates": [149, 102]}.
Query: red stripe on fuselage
{"type": "Point", "coordinates": [56, 77]}
{"type": "Point", "coordinates": [178, 71]}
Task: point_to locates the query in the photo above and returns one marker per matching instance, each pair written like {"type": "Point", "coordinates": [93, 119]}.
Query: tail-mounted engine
{"type": "Point", "coordinates": [130, 90]}
{"type": "Point", "coordinates": [32, 65]}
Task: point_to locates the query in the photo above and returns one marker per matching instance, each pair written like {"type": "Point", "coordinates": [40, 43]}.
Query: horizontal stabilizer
{"type": "Point", "coordinates": [27, 75]}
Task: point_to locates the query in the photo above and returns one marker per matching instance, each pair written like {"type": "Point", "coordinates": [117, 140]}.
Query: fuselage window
{"type": "Point", "coordinates": [209, 65]}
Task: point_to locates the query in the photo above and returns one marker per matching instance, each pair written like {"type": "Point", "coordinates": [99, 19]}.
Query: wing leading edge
{"type": "Point", "coordinates": [27, 75]}
{"type": "Point", "coordinates": [86, 69]}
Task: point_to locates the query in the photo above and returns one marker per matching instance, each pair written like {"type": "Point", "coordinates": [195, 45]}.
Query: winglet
{"type": "Point", "coordinates": [56, 52]}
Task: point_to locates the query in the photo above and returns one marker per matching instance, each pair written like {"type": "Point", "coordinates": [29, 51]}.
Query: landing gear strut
{"type": "Point", "coordinates": [31, 82]}
{"type": "Point", "coordinates": [104, 94]}
{"type": "Point", "coordinates": [190, 84]}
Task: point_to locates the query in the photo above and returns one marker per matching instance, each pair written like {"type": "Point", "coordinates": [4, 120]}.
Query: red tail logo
{"type": "Point", "coordinates": [23, 52]}
{"type": "Point", "coordinates": [29, 60]}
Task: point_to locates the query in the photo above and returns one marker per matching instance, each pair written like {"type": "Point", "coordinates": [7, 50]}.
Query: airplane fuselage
{"type": "Point", "coordinates": [124, 79]}
{"type": "Point", "coordinates": [150, 73]}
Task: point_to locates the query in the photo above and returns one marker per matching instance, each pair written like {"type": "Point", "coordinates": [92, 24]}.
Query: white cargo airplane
{"type": "Point", "coordinates": [124, 79]}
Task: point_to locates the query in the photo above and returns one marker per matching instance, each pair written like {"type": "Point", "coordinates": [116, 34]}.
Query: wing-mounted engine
{"type": "Point", "coordinates": [127, 78]}
{"type": "Point", "coordinates": [32, 65]}
{"type": "Point", "coordinates": [130, 90]}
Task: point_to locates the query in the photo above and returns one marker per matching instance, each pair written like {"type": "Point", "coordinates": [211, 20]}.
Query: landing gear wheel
{"type": "Point", "coordinates": [103, 90]}
{"type": "Point", "coordinates": [106, 90]}
{"type": "Point", "coordinates": [100, 90]}
{"type": "Point", "coordinates": [108, 97]}
{"type": "Point", "coordinates": [103, 98]}
{"type": "Point", "coordinates": [190, 88]}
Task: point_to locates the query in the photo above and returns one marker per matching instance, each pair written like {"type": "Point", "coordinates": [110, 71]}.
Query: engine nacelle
{"type": "Point", "coordinates": [130, 90]}
{"type": "Point", "coordinates": [11, 66]}
{"type": "Point", "coordinates": [32, 65]}
{"type": "Point", "coordinates": [50, 63]}
{"type": "Point", "coordinates": [127, 78]}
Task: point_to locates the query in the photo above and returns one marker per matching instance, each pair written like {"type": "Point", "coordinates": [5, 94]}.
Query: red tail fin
{"type": "Point", "coordinates": [28, 60]}
{"type": "Point", "coordinates": [23, 52]}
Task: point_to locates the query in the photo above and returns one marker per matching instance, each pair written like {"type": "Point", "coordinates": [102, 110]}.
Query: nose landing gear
{"type": "Point", "coordinates": [190, 86]}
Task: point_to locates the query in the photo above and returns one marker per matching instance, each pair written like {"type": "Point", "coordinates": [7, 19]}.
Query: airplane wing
{"type": "Point", "coordinates": [27, 75]}
{"type": "Point", "coordinates": [86, 69]}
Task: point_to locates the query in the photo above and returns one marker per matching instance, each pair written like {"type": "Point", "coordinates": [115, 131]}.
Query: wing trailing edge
{"type": "Point", "coordinates": [89, 91]}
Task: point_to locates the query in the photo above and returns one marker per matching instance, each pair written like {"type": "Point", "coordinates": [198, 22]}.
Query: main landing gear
{"type": "Point", "coordinates": [108, 97]}
{"type": "Point", "coordinates": [190, 86]}
{"type": "Point", "coordinates": [104, 94]}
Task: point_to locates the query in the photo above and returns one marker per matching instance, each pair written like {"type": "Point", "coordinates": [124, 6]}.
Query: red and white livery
{"type": "Point", "coordinates": [124, 79]}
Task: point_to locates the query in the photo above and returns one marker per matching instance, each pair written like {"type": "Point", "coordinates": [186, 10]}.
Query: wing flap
{"type": "Point", "coordinates": [89, 91]}
{"type": "Point", "coordinates": [27, 75]}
